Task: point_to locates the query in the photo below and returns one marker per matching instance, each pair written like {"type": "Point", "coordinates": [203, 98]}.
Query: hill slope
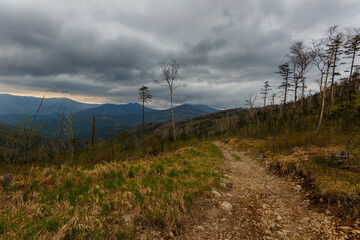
{"type": "Point", "coordinates": [113, 110]}
{"type": "Point", "coordinates": [115, 116]}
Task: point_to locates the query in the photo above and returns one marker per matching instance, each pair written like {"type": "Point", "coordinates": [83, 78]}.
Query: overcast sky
{"type": "Point", "coordinates": [102, 51]}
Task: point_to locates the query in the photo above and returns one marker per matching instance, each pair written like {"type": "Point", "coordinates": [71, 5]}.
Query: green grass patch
{"type": "Point", "coordinates": [53, 225]}
{"type": "Point", "coordinates": [91, 203]}
{"type": "Point", "coordinates": [236, 157]}
{"type": "Point", "coordinates": [2, 226]}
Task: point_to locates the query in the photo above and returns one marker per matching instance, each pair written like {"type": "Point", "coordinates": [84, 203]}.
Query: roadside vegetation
{"type": "Point", "coordinates": [329, 178]}
{"type": "Point", "coordinates": [119, 200]}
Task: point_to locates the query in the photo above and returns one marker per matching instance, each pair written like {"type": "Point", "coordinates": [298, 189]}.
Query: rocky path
{"type": "Point", "coordinates": [255, 204]}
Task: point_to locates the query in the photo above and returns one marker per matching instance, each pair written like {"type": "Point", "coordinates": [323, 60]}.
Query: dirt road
{"type": "Point", "coordinates": [255, 204]}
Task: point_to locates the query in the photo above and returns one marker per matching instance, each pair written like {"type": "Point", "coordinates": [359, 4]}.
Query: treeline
{"type": "Point", "coordinates": [336, 99]}
{"type": "Point", "coordinates": [327, 116]}
{"type": "Point", "coordinates": [327, 55]}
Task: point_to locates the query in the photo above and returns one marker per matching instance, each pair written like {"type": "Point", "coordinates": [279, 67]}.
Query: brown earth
{"type": "Point", "coordinates": [253, 203]}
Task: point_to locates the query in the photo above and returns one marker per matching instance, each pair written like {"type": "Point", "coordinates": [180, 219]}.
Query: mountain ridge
{"type": "Point", "coordinates": [104, 122]}
{"type": "Point", "coordinates": [119, 116]}
{"type": "Point", "coordinates": [27, 105]}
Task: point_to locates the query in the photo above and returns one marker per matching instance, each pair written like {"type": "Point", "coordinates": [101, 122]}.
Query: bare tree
{"type": "Point", "coordinates": [294, 52]}
{"type": "Point", "coordinates": [300, 57]}
{"type": "Point", "coordinates": [330, 42]}
{"type": "Point", "coordinates": [304, 65]}
{"type": "Point", "coordinates": [352, 46]}
{"type": "Point", "coordinates": [250, 101]}
{"type": "Point", "coordinates": [30, 132]}
{"type": "Point", "coordinates": [144, 95]}
{"type": "Point", "coordinates": [188, 129]}
{"type": "Point", "coordinates": [62, 116]}
{"type": "Point", "coordinates": [170, 75]}
{"type": "Point", "coordinates": [111, 146]}
{"type": "Point", "coordinates": [265, 90]}
{"type": "Point", "coordinates": [27, 132]}
{"type": "Point", "coordinates": [93, 141]}
{"type": "Point", "coordinates": [68, 129]}
{"type": "Point", "coordinates": [273, 99]}
{"type": "Point", "coordinates": [227, 120]}
{"type": "Point", "coordinates": [320, 60]}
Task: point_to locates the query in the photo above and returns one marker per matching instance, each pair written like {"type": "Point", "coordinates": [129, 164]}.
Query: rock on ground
{"type": "Point", "coordinates": [7, 180]}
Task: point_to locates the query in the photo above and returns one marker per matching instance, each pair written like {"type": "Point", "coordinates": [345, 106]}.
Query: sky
{"type": "Point", "coordinates": [102, 51]}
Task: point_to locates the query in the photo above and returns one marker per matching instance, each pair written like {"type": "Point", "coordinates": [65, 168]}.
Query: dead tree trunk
{"type": "Point", "coordinates": [172, 115]}
{"type": "Point", "coordinates": [324, 93]}
{"type": "Point", "coordinates": [60, 139]}
{"type": "Point", "coordinates": [111, 144]}
{"type": "Point", "coordinates": [92, 140]}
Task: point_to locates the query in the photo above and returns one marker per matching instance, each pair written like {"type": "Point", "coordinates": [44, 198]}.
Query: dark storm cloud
{"type": "Point", "coordinates": [42, 48]}
{"type": "Point", "coordinates": [226, 49]}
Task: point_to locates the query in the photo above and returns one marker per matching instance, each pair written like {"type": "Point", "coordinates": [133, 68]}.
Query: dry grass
{"type": "Point", "coordinates": [121, 200]}
{"type": "Point", "coordinates": [334, 180]}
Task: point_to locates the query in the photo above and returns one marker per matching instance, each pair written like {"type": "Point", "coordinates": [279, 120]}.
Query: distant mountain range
{"type": "Point", "coordinates": [121, 117]}
{"type": "Point", "coordinates": [10, 104]}
{"type": "Point", "coordinates": [113, 110]}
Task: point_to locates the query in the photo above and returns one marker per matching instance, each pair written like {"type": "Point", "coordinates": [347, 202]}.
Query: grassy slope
{"type": "Point", "coordinates": [76, 204]}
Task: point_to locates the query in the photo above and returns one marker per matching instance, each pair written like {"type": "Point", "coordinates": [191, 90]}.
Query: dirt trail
{"type": "Point", "coordinates": [255, 204]}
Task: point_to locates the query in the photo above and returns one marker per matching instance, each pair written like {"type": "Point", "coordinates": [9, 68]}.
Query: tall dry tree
{"type": "Point", "coordinates": [320, 61]}
{"type": "Point", "coordinates": [27, 132]}
{"type": "Point", "coordinates": [62, 117]}
{"type": "Point", "coordinates": [170, 75]}
{"type": "Point", "coordinates": [249, 102]}
{"type": "Point", "coordinates": [352, 46]}
{"type": "Point", "coordinates": [336, 48]}
{"type": "Point", "coordinates": [286, 85]}
{"type": "Point", "coordinates": [265, 90]}
{"type": "Point", "coordinates": [272, 103]}
{"type": "Point", "coordinates": [144, 95]}
{"type": "Point", "coordinates": [331, 44]}
{"type": "Point", "coordinates": [68, 129]}
{"type": "Point", "coordinates": [30, 132]}
{"type": "Point", "coordinates": [300, 58]}
{"type": "Point", "coordinates": [93, 141]}
{"type": "Point", "coordinates": [188, 129]}
{"type": "Point", "coordinates": [293, 56]}
{"type": "Point", "coordinates": [304, 65]}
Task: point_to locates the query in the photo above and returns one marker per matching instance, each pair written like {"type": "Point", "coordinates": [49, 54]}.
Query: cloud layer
{"type": "Point", "coordinates": [105, 50]}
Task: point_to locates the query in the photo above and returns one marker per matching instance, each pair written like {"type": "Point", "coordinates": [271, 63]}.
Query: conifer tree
{"type": "Point", "coordinates": [352, 47]}
{"type": "Point", "coordinates": [337, 51]}
{"type": "Point", "coordinates": [265, 90]}
{"type": "Point", "coordinates": [285, 72]}
{"type": "Point", "coordinates": [144, 95]}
